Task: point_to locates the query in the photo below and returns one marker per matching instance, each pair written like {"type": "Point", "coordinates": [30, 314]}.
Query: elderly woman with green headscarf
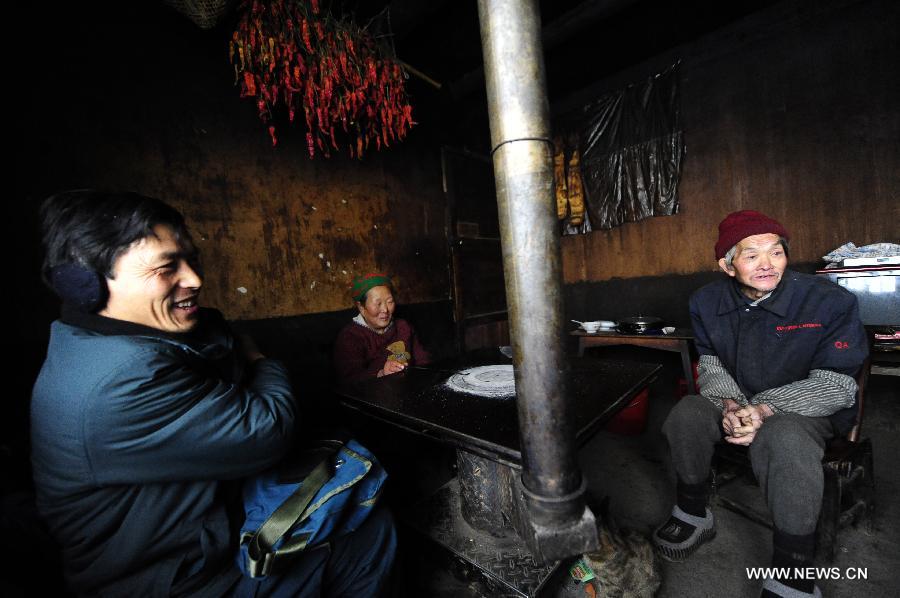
{"type": "Point", "coordinates": [374, 344]}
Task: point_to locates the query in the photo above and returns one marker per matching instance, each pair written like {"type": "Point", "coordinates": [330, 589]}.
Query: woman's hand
{"type": "Point", "coordinates": [391, 367]}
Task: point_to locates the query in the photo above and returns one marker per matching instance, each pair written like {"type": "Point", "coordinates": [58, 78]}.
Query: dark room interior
{"type": "Point", "coordinates": [787, 107]}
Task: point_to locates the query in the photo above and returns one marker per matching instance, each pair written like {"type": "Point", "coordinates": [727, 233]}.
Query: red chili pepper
{"type": "Point", "coordinates": [320, 31]}
{"type": "Point", "coordinates": [333, 142]}
{"type": "Point", "coordinates": [304, 28]}
{"type": "Point", "coordinates": [272, 135]}
{"type": "Point", "coordinates": [249, 84]}
{"type": "Point", "coordinates": [310, 145]}
{"type": "Point", "coordinates": [315, 7]}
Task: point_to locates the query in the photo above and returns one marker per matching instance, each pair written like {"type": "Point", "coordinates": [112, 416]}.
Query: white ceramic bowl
{"type": "Point", "coordinates": [597, 325]}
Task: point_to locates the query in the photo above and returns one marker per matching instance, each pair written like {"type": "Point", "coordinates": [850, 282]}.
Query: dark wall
{"type": "Point", "coordinates": [794, 111]}
{"type": "Point", "coordinates": [663, 297]}
{"type": "Point", "coordinates": [133, 95]}
{"type": "Point", "coordinates": [305, 343]}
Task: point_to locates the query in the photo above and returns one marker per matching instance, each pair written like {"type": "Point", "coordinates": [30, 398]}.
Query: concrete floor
{"type": "Point", "coordinates": [633, 472]}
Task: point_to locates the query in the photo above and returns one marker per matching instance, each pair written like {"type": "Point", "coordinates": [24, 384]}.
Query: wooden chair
{"type": "Point", "coordinates": [849, 479]}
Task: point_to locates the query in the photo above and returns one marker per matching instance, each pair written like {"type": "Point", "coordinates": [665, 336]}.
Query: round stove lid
{"type": "Point", "coordinates": [492, 381]}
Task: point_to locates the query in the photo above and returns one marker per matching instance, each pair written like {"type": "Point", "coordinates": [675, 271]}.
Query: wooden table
{"type": "Point", "coordinates": [485, 432]}
{"type": "Point", "coordinates": [679, 342]}
{"type": "Point", "coordinates": [417, 400]}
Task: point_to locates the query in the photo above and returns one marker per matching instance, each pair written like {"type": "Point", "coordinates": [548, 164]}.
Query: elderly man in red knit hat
{"type": "Point", "coordinates": [778, 354]}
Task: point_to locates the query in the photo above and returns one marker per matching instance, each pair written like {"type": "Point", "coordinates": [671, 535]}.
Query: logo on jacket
{"type": "Point", "coordinates": [792, 327]}
{"type": "Point", "coordinates": [841, 345]}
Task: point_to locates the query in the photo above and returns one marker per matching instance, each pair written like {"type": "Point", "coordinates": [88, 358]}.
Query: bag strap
{"type": "Point", "coordinates": [260, 551]}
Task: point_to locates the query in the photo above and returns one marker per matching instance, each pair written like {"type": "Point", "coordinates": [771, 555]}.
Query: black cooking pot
{"type": "Point", "coordinates": [641, 325]}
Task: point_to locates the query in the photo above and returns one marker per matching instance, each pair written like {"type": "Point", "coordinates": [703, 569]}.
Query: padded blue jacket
{"type": "Point", "coordinates": [807, 323]}
{"type": "Point", "coordinates": [135, 437]}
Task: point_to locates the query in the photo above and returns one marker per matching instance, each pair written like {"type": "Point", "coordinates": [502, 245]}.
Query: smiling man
{"type": "Point", "coordinates": [147, 413]}
{"type": "Point", "coordinates": [778, 352]}
{"type": "Point", "coordinates": [155, 283]}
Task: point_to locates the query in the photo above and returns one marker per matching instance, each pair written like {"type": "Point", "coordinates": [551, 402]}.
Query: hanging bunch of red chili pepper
{"type": "Point", "coordinates": [328, 72]}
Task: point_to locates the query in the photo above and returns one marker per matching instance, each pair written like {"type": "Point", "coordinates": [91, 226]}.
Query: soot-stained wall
{"type": "Point", "coordinates": [134, 96]}
{"type": "Point", "coordinates": [795, 111]}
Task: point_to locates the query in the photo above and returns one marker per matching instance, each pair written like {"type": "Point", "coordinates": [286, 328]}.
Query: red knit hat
{"type": "Point", "coordinates": [743, 224]}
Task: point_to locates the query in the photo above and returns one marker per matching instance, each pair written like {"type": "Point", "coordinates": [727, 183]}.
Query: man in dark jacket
{"type": "Point", "coordinates": [778, 352]}
{"type": "Point", "coordinates": [147, 412]}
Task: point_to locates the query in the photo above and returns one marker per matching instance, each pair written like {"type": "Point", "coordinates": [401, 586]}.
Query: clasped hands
{"type": "Point", "coordinates": [742, 423]}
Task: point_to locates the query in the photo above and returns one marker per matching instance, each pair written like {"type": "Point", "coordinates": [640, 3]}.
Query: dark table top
{"type": "Point", "coordinates": [680, 333]}
{"type": "Point", "coordinates": [417, 400]}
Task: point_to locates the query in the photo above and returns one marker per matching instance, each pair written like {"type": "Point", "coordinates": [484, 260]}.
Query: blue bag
{"type": "Point", "coordinates": [290, 510]}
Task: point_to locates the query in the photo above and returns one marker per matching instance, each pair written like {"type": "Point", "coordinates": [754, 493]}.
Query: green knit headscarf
{"type": "Point", "coordinates": [362, 284]}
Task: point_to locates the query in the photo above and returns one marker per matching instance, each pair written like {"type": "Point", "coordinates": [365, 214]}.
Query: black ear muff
{"type": "Point", "coordinates": [83, 289]}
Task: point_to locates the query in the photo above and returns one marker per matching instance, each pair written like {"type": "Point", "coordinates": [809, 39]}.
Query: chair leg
{"type": "Point", "coordinates": [829, 516]}
{"type": "Point", "coordinates": [868, 486]}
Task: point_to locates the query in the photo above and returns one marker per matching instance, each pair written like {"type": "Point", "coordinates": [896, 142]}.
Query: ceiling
{"type": "Point", "coordinates": [584, 40]}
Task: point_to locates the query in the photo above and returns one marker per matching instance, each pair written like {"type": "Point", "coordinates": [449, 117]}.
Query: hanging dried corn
{"type": "Point", "coordinates": [559, 176]}
{"type": "Point", "coordinates": [329, 71]}
{"type": "Point", "coordinates": [575, 189]}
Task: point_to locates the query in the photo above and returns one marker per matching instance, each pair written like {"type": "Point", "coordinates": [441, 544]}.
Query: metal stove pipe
{"type": "Point", "coordinates": [551, 486]}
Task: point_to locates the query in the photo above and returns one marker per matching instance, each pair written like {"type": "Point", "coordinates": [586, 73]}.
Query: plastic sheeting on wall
{"type": "Point", "coordinates": [631, 146]}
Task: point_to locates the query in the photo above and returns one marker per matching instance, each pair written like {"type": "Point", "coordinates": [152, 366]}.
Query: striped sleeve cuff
{"type": "Point", "coordinates": [716, 384]}
{"type": "Point", "coordinates": [823, 393]}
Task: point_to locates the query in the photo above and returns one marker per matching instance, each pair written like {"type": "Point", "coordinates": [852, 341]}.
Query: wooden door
{"type": "Point", "coordinates": [476, 261]}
